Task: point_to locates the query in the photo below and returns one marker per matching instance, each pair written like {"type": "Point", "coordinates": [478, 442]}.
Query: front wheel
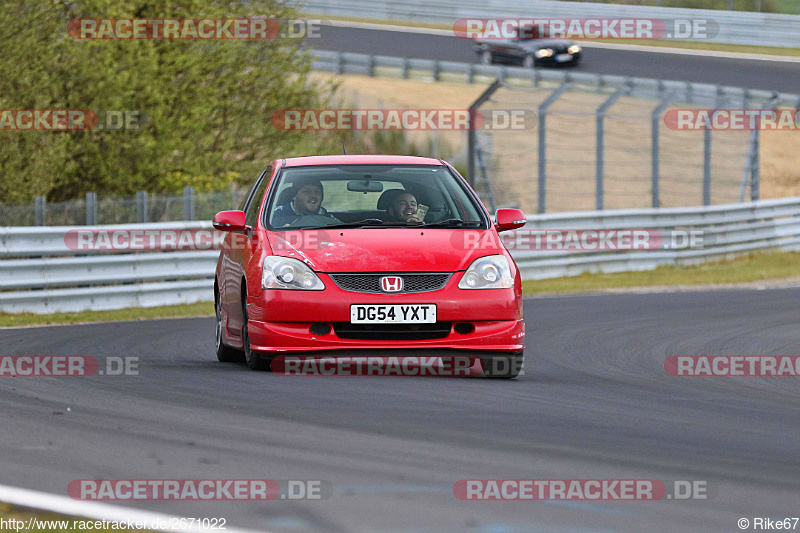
{"type": "Point", "coordinates": [225, 353]}
{"type": "Point", "coordinates": [255, 360]}
{"type": "Point", "coordinates": [528, 61]}
{"type": "Point", "coordinates": [502, 366]}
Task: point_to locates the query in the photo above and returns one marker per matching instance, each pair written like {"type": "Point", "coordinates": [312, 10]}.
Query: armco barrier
{"type": "Point", "coordinates": [40, 274]}
{"type": "Point", "coordinates": [735, 27]}
{"type": "Point", "coordinates": [704, 94]}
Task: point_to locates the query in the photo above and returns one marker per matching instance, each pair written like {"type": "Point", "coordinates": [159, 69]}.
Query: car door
{"type": "Point", "coordinates": [239, 253]}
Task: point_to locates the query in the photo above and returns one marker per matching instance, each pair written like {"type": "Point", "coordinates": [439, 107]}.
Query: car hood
{"type": "Point", "coordinates": [385, 249]}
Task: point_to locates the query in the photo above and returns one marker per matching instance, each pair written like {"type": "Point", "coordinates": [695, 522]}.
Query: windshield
{"type": "Point", "coordinates": [373, 196]}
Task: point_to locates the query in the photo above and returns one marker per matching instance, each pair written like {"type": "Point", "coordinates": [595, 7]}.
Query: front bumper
{"type": "Point", "coordinates": [292, 337]}
{"type": "Point", "coordinates": [280, 321]}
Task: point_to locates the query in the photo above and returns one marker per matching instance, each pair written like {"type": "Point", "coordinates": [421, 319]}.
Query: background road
{"type": "Point", "coordinates": [755, 74]}
{"type": "Point", "coordinates": [595, 403]}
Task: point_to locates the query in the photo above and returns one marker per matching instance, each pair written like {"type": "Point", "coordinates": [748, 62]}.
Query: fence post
{"type": "Point", "coordinates": [188, 203]}
{"type": "Point", "coordinates": [755, 176]}
{"type": "Point", "coordinates": [91, 208]}
{"type": "Point", "coordinates": [600, 145]}
{"type": "Point", "coordinates": [141, 206]}
{"type": "Point", "coordinates": [542, 133]}
{"type": "Point", "coordinates": [40, 211]}
{"type": "Point", "coordinates": [471, 139]}
{"type": "Point", "coordinates": [655, 152]}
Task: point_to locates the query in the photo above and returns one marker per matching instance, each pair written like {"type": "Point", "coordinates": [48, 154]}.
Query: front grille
{"type": "Point", "coordinates": [371, 282]}
{"type": "Point", "coordinates": [392, 332]}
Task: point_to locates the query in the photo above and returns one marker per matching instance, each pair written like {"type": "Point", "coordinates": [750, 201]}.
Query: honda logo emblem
{"type": "Point", "coordinates": [391, 284]}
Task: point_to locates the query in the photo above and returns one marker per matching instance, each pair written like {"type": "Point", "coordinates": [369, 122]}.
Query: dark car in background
{"type": "Point", "coordinates": [529, 49]}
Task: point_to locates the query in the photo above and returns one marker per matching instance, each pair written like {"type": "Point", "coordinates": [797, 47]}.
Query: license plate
{"type": "Point", "coordinates": [561, 58]}
{"type": "Point", "coordinates": [394, 313]}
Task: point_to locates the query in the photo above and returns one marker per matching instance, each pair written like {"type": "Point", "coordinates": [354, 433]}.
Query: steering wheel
{"type": "Point", "coordinates": [315, 220]}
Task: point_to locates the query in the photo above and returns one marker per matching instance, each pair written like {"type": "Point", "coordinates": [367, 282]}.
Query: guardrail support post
{"type": "Point", "coordinates": [406, 68]}
{"type": "Point", "coordinates": [371, 66]}
{"type": "Point", "coordinates": [600, 144]}
{"type": "Point", "coordinates": [437, 70]}
{"type": "Point", "coordinates": [339, 63]}
{"type": "Point", "coordinates": [471, 73]}
{"type": "Point", "coordinates": [541, 195]}
{"type": "Point", "coordinates": [188, 203]}
{"type": "Point", "coordinates": [141, 206]}
{"type": "Point", "coordinates": [91, 208]}
{"type": "Point", "coordinates": [40, 211]}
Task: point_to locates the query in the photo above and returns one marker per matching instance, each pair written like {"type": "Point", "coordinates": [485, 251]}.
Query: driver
{"type": "Point", "coordinates": [306, 199]}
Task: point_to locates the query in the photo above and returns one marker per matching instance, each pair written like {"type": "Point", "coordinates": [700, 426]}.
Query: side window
{"type": "Point", "coordinates": [254, 201]}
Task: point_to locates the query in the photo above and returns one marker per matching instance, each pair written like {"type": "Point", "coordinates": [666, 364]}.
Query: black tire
{"type": "Point", "coordinates": [254, 359]}
{"type": "Point", "coordinates": [502, 366]}
{"type": "Point", "coordinates": [225, 353]}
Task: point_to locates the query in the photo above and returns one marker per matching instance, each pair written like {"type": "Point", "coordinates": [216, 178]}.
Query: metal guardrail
{"type": "Point", "coordinates": [735, 27]}
{"type": "Point", "coordinates": [40, 274]}
{"type": "Point", "coordinates": [703, 94]}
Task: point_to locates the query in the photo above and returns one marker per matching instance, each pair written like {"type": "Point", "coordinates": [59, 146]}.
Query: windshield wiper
{"type": "Point", "coordinates": [451, 222]}
{"type": "Point", "coordinates": [359, 224]}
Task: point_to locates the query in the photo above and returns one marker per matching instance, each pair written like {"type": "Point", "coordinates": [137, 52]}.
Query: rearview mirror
{"type": "Point", "coordinates": [508, 219]}
{"type": "Point", "coordinates": [364, 186]}
{"type": "Point", "coordinates": [229, 221]}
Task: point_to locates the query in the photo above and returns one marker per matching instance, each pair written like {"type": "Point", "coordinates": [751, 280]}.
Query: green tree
{"type": "Point", "coordinates": [206, 103]}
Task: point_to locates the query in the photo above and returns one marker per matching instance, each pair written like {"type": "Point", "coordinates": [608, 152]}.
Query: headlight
{"type": "Point", "coordinates": [490, 272]}
{"type": "Point", "coordinates": [574, 49]}
{"type": "Point", "coordinates": [544, 52]}
{"type": "Point", "coordinates": [287, 273]}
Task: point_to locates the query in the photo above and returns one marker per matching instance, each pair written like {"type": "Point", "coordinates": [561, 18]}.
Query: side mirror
{"type": "Point", "coordinates": [508, 219]}
{"type": "Point", "coordinates": [230, 221]}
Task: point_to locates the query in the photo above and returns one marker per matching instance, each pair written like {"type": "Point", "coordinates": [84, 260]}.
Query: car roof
{"type": "Point", "coordinates": [360, 160]}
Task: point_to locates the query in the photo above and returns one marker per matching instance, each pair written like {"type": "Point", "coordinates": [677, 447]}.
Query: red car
{"type": "Point", "coordinates": [356, 255]}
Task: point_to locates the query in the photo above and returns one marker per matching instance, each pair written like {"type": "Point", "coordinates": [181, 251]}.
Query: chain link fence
{"type": "Point", "coordinates": [104, 210]}
{"type": "Point", "coordinates": [586, 147]}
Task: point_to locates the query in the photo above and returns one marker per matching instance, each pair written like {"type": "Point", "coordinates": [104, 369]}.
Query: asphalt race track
{"type": "Point", "coordinates": [595, 403]}
{"type": "Point", "coordinates": [750, 73]}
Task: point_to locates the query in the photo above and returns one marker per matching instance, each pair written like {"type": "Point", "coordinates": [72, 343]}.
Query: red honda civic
{"type": "Point", "coordinates": [354, 255]}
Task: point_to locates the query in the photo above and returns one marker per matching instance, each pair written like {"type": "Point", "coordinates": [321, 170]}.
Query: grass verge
{"type": "Point", "coordinates": [134, 313]}
{"type": "Point", "coordinates": [760, 267]}
{"type": "Point", "coordinates": [691, 45]}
